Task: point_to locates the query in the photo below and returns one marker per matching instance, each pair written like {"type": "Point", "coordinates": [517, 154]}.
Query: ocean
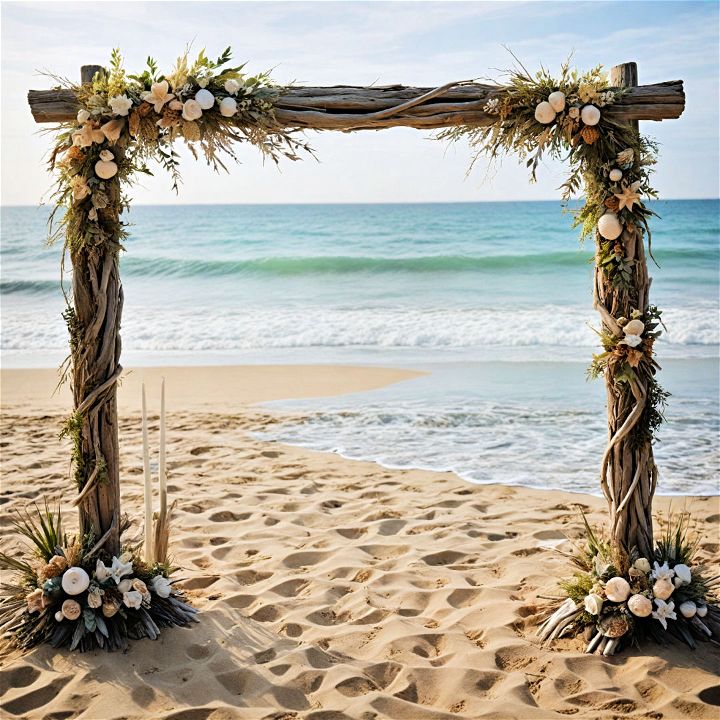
{"type": "Point", "coordinates": [492, 300]}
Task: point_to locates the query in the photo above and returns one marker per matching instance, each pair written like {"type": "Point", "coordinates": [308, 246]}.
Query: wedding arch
{"type": "Point", "coordinates": [112, 123]}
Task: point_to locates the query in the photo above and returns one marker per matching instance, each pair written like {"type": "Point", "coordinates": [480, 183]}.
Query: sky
{"type": "Point", "coordinates": [362, 43]}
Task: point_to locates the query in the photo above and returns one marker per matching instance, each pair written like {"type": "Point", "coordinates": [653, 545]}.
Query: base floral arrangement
{"type": "Point", "coordinates": [618, 600]}
{"type": "Point", "coordinates": [65, 595]}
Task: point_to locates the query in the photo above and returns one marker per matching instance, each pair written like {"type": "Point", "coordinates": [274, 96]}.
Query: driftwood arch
{"type": "Point", "coordinates": [628, 475]}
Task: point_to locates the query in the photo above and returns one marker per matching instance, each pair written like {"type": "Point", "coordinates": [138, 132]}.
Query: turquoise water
{"type": "Point", "coordinates": [492, 298]}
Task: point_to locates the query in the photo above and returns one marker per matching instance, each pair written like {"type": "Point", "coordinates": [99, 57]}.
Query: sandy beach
{"type": "Point", "coordinates": [331, 588]}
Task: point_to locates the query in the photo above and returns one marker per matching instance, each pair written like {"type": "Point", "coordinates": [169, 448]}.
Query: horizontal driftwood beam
{"type": "Point", "coordinates": [352, 108]}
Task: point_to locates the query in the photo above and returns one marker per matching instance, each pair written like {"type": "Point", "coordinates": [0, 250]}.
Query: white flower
{"type": "Point", "coordinates": [662, 572]}
{"type": "Point", "coordinates": [75, 581]}
{"type": "Point", "coordinates": [631, 341]}
{"type": "Point", "coordinates": [158, 95]}
{"type": "Point", "coordinates": [83, 116]}
{"type": "Point", "coordinates": [203, 82]}
{"type": "Point", "coordinates": [492, 106]}
{"type": "Point", "coordinates": [120, 104]}
{"type": "Point", "coordinates": [160, 586]}
{"type": "Point", "coordinates": [643, 565]}
{"type": "Point", "coordinates": [231, 86]}
{"type": "Point", "coordinates": [132, 599]}
{"type": "Point", "coordinates": [593, 603]}
{"type": "Point", "coordinates": [683, 574]}
{"type": "Point", "coordinates": [120, 568]}
{"type": "Point", "coordinates": [191, 110]}
{"type": "Point", "coordinates": [125, 585]}
{"type": "Point", "coordinates": [665, 611]}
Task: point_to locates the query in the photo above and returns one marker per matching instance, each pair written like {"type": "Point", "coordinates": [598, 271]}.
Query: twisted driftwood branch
{"type": "Point", "coordinates": [348, 108]}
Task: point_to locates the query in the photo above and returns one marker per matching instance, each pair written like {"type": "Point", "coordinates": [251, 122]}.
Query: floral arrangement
{"type": "Point", "coordinates": [126, 120]}
{"type": "Point", "coordinates": [618, 599]}
{"type": "Point", "coordinates": [67, 596]}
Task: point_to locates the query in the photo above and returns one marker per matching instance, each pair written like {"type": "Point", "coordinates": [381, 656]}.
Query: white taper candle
{"type": "Point", "coordinates": [161, 464]}
{"type": "Point", "coordinates": [148, 484]}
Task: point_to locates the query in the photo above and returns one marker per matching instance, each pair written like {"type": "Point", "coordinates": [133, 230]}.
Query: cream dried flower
{"type": "Point", "coordinates": [120, 104]}
{"type": "Point", "coordinates": [71, 609]}
{"type": "Point", "coordinates": [158, 95]}
{"type": "Point", "coordinates": [36, 601]}
{"type": "Point", "coordinates": [665, 611]}
{"type": "Point", "coordinates": [80, 189]}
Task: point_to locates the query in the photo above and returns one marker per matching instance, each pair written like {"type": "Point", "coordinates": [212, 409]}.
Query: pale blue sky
{"type": "Point", "coordinates": [326, 43]}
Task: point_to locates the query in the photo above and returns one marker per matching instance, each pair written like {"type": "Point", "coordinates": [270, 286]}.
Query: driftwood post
{"type": "Point", "coordinates": [628, 466]}
{"type": "Point", "coordinates": [95, 352]}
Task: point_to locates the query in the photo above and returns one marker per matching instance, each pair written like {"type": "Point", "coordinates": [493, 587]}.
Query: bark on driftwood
{"type": "Point", "coordinates": [628, 473]}
{"type": "Point", "coordinates": [350, 108]}
{"type": "Point", "coordinates": [95, 353]}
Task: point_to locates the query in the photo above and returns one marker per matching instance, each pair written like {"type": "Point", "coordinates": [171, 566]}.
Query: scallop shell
{"type": "Point", "coordinates": [557, 101]}
{"type": "Point", "coordinates": [106, 169]}
{"type": "Point", "coordinates": [609, 226]}
{"type": "Point", "coordinates": [617, 589]}
{"type": "Point", "coordinates": [640, 606]}
{"type": "Point", "coordinates": [590, 115]}
{"type": "Point", "coordinates": [544, 113]}
{"type": "Point", "coordinates": [634, 327]}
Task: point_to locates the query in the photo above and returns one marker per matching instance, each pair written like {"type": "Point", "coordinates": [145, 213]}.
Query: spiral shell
{"type": "Point", "coordinates": [75, 580]}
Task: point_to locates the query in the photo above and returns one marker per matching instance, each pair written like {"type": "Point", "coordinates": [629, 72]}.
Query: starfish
{"type": "Point", "coordinates": [629, 196]}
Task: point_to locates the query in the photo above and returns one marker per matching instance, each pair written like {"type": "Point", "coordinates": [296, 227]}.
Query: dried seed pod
{"type": "Point", "coordinates": [590, 134]}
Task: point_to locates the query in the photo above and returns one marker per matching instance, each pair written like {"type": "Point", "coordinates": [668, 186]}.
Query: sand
{"type": "Point", "coordinates": [331, 588]}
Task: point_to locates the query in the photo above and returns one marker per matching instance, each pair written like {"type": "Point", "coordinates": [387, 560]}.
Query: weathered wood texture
{"type": "Point", "coordinates": [358, 108]}
{"type": "Point", "coordinates": [628, 474]}
{"type": "Point", "coordinates": [96, 369]}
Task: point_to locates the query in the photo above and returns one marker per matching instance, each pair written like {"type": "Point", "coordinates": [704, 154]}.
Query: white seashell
{"type": "Point", "coordinates": [701, 610]}
{"type": "Point", "coordinates": [59, 616]}
{"type": "Point", "coordinates": [609, 226]}
{"type": "Point", "coordinates": [544, 113]}
{"type": "Point", "coordinates": [557, 101]}
{"type": "Point", "coordinates": [643, 565]}
{"type": "Point", "coordinates": [228, 107]}
{"type": "Point", "coordinates": [663, 589]}
{"type": "Point", "coordinates": [125, 585]}
{"type": "Point", "coordinates": [617, 589]}
{"type": "Point", "coordinates": [682, 571]}
{"type": "Point", "coordinates": [635, 327]}
{"type": "Point", "coordinates": [688, 609]}
{"type": "Point", "coordinates": [83, 116]}
{"type": "Point", "coordinates": [616, 175]}
{"type": "Point", "coordinates": [640, 606]}
{"type": "Point", "coordinates": [75, 580]}
{"type": "Point", "coordinates": [590, 115]}
{"type": "Point", "coordinates": [106, 155]}
{"type": "Point", "coordinates": [205, 99]}
{"type": "Point", "coordinates": [132, 599]}
{"type": "Point", "coordinates": [593, 603]}
{"type": "Point", "coordinates": [105, 169]}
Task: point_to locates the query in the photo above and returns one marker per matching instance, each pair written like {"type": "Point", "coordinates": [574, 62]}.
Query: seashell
{"type": "Point", "coordinates": [228, 107]}
{"type": "Point", "coordinates": [701, 611]}
{"type": "Point", "coordinates": [231, 86]}
{"type": "Point", "coordinates": [593, 603]}
{"type": "Point", "coordinates": [125, 585]}
{"type": "Point", "coordinates": [640, 606]}
{"type": "Point", "coordinates": [205, 99]}
{"type": "Point", "coordinates": [75, 580]}
{"type": "Point", "coordinates": [635, 327]}
{"type": "Point", "coordinates": [106, 155]}
{"type": "Point", "coordinates": [590, 115]}
{"type": "Point", "coordinates": [609, 226]}
{"type": "Point", "coordinates": [35, 601]}
{"type": "Point", "coordinates": [544, 113]}
{"type": "Point", "coordinates": [614, 625]}
{"type": "Point", "coordinates": [642, 564]}
{"type": "Point", "coordinates": [557, 101]}
{"type": "Point", "coordinates": [688, 609]}
{"type": "Point", "coordinates": [83, 116]}
{"type": "Point", "coordinates": [71, 609]}
{"type": "Point", "coordinates": [109, 608]}
{"type": "Point", "coordinates": [160, 586]}
{"type": "Point", "coordinates": [94, 600]}
{"type": "Point", "coordinates": [682, 571]}
{"type": "Point", "coordinates": [617, 589]}
{"type": "Point", "coordinates": [140, 586]}
{"type": "Point", "coordinates": [105, 169]}
{"type": "Point", "coordinates": [663, 589]}
{"type": "Point", "coordinates": [59, 616]}
{"type": "Point", "coordinates": [616, 175]}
